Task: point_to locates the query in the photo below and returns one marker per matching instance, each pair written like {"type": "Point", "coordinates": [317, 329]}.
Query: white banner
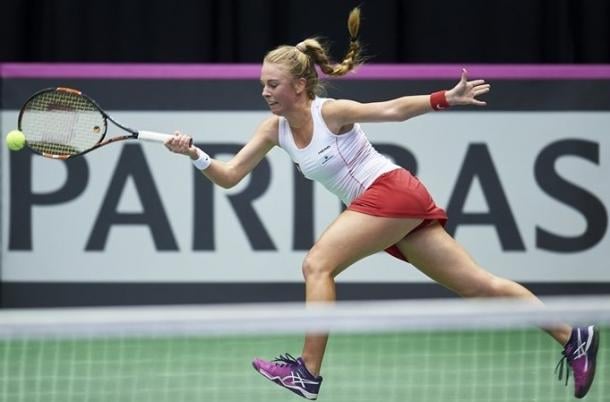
{"type": "Point", "coordinates": [537, 183]}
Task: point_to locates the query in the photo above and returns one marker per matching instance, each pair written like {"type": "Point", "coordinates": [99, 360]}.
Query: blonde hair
{"type": "Point", "coordinates": [302, 59]}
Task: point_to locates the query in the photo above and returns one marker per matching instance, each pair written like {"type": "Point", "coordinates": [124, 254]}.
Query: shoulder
{"type": "Point", "coordinates": [335, 113]}
{"type": "Point", "coordinates": [338, 106]}
{"type": "Point", "coordinates": [268, 129]}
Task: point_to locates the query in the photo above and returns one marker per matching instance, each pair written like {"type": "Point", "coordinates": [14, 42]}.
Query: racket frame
{"type": "Point", "coordinates": [133, 134]}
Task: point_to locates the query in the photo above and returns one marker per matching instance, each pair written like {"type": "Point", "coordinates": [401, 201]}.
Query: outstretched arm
{"type": "Point", "coordinates": [341, 113]}
{"type": "Point", "coordinates": [228, 174]}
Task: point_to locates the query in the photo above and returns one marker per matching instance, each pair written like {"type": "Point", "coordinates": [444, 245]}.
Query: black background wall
{"type": "Point", "coordinates": [394, 31]}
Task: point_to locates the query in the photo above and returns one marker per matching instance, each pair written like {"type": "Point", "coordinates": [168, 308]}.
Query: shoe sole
{"type": "Point", "coordinates": [278, 381]}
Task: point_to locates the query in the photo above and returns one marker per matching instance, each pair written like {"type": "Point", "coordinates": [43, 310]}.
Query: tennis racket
{"type": "Point", "coordinates": [62, 123]}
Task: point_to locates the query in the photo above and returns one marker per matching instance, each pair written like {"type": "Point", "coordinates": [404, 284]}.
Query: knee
{"type": "Point", "coordinates": [316, 267]}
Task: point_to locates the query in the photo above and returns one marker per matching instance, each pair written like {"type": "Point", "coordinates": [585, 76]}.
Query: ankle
{"type": "Point", "coordinates": [567, 337]}
{"type": "Point", "coordinates": [312, 368]}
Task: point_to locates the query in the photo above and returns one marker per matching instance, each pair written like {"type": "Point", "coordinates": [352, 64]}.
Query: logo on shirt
{"type": "Point", "coordinates": [326, 156]}
{"type": "Point", "coordinates": [326, 148]}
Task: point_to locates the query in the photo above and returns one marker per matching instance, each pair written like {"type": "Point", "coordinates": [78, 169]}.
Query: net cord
{"type": "Point", "coordinates": [293, 318]}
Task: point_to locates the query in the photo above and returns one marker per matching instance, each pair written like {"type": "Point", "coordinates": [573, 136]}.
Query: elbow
{"type": "Point", "coordinates": [226, 184]}
{"type": "Point", "coordinates": [225, 175]}
{"type": "Point", "coordinates": [229, 180]}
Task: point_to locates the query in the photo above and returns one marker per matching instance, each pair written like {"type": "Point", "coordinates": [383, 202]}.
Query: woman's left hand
{"type": "Point", "coordinates": [466, 92]}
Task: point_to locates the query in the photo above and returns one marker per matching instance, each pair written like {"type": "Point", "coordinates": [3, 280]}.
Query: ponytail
{"type": "Point", "coordinates": [302, 58]}
{"type": "Point", "coordinates": [320, 55]}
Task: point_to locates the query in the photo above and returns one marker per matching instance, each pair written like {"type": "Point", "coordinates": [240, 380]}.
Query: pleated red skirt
{"type": "Point", "coordinates": [399, 194]}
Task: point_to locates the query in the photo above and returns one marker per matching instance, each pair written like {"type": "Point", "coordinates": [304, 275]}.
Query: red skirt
{"type": "Point", "coordinates": [399, 194]}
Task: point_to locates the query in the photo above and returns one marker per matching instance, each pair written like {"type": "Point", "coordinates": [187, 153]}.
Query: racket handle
{"type": "Point", "coordinates": [154, 136]}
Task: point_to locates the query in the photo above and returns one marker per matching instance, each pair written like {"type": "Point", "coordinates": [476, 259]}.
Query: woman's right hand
{"type": "Point", "coordinates": [182, 144]}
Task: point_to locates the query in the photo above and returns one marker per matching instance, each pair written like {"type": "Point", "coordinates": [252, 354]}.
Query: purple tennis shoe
{"type": "Point", "coordinates": [581, 353]}
{"type": "Point", "coordinates": [290, 373]}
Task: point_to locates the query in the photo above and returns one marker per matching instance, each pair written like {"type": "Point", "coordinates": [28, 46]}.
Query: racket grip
{"type": "Point", "coordinates": [154, 136]}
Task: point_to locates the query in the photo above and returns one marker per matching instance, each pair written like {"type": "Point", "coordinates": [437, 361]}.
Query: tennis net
{"type": "Point", "coordinates": [433, 350]}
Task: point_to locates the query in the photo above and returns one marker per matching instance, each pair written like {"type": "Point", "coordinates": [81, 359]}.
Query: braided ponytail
{"type": "Point", "coordinates": [302, 58]}
{"type": "Point", "coordinates": [319, 53]}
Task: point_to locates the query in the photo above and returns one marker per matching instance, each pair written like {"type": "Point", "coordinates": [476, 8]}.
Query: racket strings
{"type": "Point", "coordinates": [62, 123]}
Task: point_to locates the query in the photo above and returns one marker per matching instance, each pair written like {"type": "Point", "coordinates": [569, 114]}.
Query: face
{"type": "Point", "coordinates": [280, 89]}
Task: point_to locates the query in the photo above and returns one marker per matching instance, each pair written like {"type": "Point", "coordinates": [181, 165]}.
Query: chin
{"type": "Point", "coordinates": [275, 111]}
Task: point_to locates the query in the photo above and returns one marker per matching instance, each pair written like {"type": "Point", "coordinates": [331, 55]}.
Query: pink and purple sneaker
{"type": "Point", "coordinates": [290, 373]}
{"type": "Point", "coordinates": [581, 353]}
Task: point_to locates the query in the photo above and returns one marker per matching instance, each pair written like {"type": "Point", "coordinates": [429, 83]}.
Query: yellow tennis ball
{"type": "Point", "coordinates": [15, 140]}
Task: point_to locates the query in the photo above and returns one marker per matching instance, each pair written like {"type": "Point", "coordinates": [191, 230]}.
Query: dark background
{"type": "Point", "coordinates": [241, 31]}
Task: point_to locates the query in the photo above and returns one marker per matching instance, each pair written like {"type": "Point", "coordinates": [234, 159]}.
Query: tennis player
{"type": "Point", "coordinates": [387, 207]}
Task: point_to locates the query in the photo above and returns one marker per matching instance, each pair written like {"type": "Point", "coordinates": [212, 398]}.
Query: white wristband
{"type": "Point", "coordinates": [203, 162]}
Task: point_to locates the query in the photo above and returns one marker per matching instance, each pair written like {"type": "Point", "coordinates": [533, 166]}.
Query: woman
{"type": "Point", "coordinates": [388, 208]}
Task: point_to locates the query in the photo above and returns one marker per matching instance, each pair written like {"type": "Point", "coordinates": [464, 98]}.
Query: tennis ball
{"type": "Point", "coordinates": [15, 140]}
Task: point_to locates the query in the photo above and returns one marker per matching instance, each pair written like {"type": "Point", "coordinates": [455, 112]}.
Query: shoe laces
{"type": "Point", "coordinates": [559, 367]}
{"type": "Point", "coordinates": [570, 357]}
{"type": "Point", "coordinates": [286, 360]}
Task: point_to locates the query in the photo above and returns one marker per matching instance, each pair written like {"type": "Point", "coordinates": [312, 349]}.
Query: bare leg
{"type": "Point", "coordinates": [351, 237]}
{"type": "Point", "coordinates": [440, 257]}
{"type": "Point", "coordinates": [320, 289]}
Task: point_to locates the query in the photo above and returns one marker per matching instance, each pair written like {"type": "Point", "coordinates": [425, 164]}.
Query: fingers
{"type": "Point", "coordinates": [468, 91]}
{"type": "Point", "coordinates": [478, 91]}
{"type": "Point", "coordinates": [478, 88]}
{"type": "Point", "coordinates": [179, 143]}
{"type": "Point", "coordinates": [481, 89]}
{"type": "Point", "coordinates": [464, 76]}
{"type": "Point", "coordinates": [474, 84]}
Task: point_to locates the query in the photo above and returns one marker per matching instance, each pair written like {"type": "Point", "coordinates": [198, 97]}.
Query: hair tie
{"type": "Point", "coordinates": [301, 47]}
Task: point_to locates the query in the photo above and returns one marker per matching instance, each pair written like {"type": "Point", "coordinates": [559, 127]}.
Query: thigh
{"type": "Point", "coordinates": [354, 235]}
{"type": "Point", "coordinates": [439, 256]}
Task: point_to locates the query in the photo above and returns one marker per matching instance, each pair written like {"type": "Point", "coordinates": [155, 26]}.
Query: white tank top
{"type": "Point", "coordinates": [346, 164]}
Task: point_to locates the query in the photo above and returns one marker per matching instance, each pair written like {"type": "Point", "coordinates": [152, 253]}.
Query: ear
{"type": "Point", "coordinates": [299, 85]}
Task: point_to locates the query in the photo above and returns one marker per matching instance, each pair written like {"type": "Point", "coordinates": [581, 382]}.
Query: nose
{"type": "Point", "coordinates": [265, 92]}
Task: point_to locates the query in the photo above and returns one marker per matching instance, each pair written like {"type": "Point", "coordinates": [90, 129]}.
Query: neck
{"type": "Point", "coordinates": [300, 116]}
